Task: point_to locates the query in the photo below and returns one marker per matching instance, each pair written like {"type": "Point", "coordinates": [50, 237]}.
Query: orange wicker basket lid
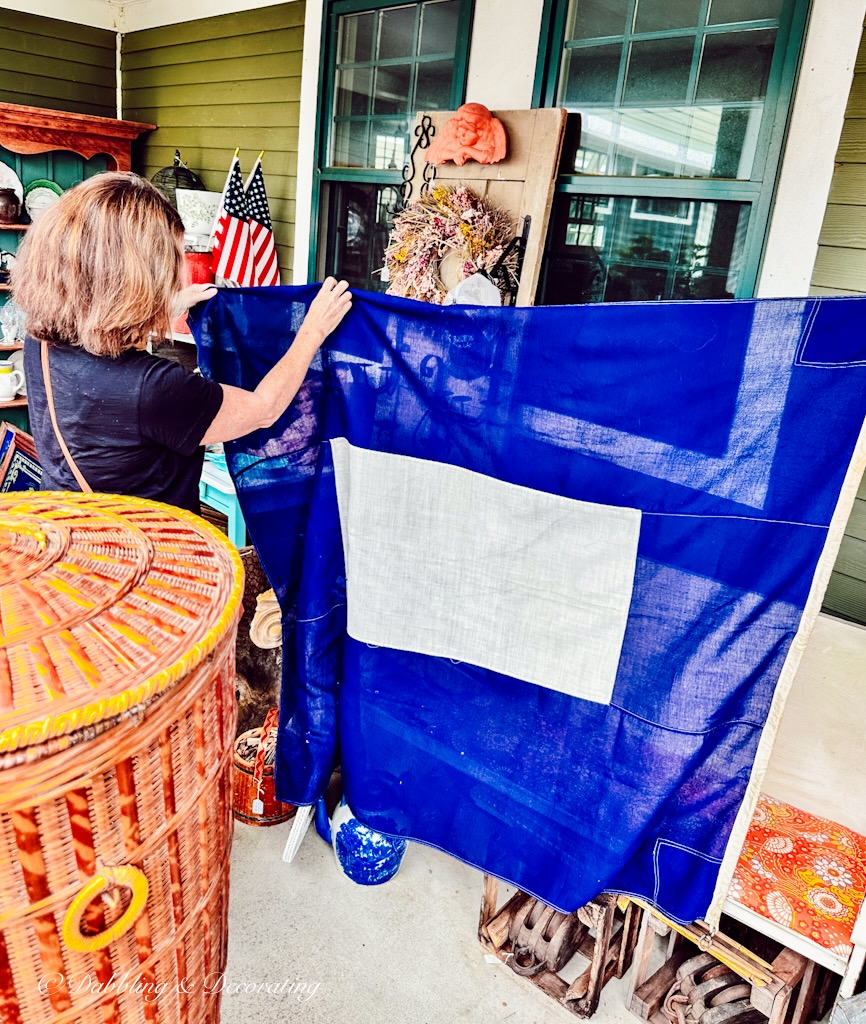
{"type": "Point", "coordinates": [105, 603]}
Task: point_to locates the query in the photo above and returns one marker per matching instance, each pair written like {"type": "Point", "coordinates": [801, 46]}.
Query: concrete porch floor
{"type": "Point", "coordinates": [306, 944]}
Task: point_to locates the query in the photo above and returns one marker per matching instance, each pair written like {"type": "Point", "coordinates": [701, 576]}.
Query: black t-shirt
{"type": "Point", "coordinates": [134, 424]}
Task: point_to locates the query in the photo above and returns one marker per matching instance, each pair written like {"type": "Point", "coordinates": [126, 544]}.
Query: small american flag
{"type": "Point", "coordinates": [232, 250]}
{"type": "Point", "coordinates": [266, 270]}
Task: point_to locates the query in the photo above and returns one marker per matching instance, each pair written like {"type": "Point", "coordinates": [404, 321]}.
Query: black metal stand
{"type": "Point", "coordinates": [424, 133]}
{"type": "Point", "coordinates": [500, 272]}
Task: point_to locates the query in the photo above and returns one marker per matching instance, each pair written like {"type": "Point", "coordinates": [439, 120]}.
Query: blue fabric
{"type": "Point", "coordinates": [730, 425]}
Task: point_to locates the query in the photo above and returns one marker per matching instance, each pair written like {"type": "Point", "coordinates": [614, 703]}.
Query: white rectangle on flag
{"type": "Point", "coordinates": [451, 563]}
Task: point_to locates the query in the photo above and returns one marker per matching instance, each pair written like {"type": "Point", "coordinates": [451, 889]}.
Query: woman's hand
{"type": "Point", "coordinates": [191, 296]}
{"type": "Point", "coordinates": [243, 411]}
{"type": "Point", "coordinates": [327, 310]}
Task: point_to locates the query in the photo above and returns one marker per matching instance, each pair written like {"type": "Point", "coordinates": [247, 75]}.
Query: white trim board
{"type": "Point", "coordinates": [309, 107]}
{"type": "Point", "coordinates": [133, 15]}
{"type": "Point", "coordinates": [95, 13]}
{"type": "Point", "coordinates": [141, 14]}
{"type": "Point", "coordinates": [853, 476]}
{"type": "Point", "coordinates": [817, 116]}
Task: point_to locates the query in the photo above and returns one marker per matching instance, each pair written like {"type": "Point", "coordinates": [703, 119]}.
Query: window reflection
{"type": "Point", "coordinates": [360, 215]}
{"type": "Point", "coordinates": [676, 89]}
{"type": "Point", "coordinates": [639, 248]}
{"type": "Point", "coordinates": [693, 142]}
{"type": "Point", "coordinates": [390, 63]}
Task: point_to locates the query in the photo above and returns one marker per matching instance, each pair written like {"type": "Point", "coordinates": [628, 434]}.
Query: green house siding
{"type": "Point", "coordinates": [220, 83]}
{"type": "Point", "coordinates": [840, 269]}
{"type": "Point", "coordinates": [56, 64]}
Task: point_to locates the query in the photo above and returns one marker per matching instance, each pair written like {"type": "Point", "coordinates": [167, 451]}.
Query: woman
{"type": "Point", "coordinates": [99, 275]}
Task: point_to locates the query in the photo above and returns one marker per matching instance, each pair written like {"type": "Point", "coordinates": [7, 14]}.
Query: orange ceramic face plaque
{"type": "Point", "coordinates": [472, 134]}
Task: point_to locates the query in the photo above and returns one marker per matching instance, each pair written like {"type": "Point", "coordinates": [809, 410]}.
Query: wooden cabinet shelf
{"type": "Point", "coordinates": [37, 130]}
{"type": "Point", "coordinates": [14, 227]}
{"type": "Point", "coordinates": [5, 287]}
{"type": "Point", "coordinates": [16, 403]}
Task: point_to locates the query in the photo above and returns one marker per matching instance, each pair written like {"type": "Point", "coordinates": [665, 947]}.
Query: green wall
{"type": "Point", "coordinates": [840, 269]}
{"type": "Point", "coordinates": [56, 64]}
{"type": "Point", "coordinates": [218, 83]}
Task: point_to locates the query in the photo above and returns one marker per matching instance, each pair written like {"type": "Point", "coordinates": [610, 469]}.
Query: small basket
{"type": "Point", "coordinates": [254, 799]}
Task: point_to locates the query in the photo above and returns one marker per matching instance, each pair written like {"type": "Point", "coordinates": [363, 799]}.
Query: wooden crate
{"type": "Point", "coordinates": [722, 981]}
{"type": "Point", "coordinates": [604, 932]}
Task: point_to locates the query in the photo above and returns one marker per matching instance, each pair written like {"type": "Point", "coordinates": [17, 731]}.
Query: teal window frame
{"type": "Point", "coordinates": [323, 172]}
{"type": "Point", "coordinates": [759, 190]}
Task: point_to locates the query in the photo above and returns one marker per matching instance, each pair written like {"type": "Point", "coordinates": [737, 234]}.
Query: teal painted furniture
{"type": "Point", "coordinates": [216, 490]}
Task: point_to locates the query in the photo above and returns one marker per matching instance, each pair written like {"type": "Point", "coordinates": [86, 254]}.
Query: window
{"type": "Point", "coordinates": [683, 105]}
{"type": "Point", "coordinates": [383, 62]}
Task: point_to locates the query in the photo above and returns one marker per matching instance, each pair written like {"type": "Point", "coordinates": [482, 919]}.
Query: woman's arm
{"type": "Point", "coordinates": [243, 411]}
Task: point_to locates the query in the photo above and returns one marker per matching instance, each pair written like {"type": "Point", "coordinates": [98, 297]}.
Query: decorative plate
{"type": "Point", "coordinates": [39, 195]}
{"type": "Point", "coordinates": [9, 179]}
{"type": "Point", "coordinates": [7, 262]}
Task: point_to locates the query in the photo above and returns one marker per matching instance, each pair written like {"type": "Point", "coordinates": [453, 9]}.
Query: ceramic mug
{"type": "Point", "coordinates": [11, 381]}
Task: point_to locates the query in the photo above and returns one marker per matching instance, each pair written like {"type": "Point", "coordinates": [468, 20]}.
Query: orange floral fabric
{"type": "Point", "coordinates": [804, 872]}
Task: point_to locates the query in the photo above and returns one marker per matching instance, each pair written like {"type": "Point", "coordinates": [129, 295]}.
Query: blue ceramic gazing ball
{"type": "Point", "coordinates": [367, 857]}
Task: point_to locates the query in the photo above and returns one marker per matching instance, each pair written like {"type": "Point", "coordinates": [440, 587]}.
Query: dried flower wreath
{"type": "Point", "coordinates": [446, 220]}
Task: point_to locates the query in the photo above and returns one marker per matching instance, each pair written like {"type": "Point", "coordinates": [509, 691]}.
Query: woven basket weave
{"type": "Point", "coordinates": [255, 801]}
{"type": "Point", "coordinates": [117, 719]}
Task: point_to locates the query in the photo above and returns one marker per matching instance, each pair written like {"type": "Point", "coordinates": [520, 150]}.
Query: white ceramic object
{"type": "Point", "coordinates": [9, 179]}
{"type": "Point", "coordinates": [10, 381]}
{"type": "Point", "coordinates": [198, 210]}
{"type": "Point", "coordinates": [475, 290]}
{"type": "Point", "coordinates": [363, 855]}
{"type": "Point", "coordinates": [17, 360]}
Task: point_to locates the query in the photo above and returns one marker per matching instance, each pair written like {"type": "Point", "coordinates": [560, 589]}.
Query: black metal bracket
{"type": "Point", "coordinates": [511, 282]}
{"type": "Point", "coordinates": [424, 133]}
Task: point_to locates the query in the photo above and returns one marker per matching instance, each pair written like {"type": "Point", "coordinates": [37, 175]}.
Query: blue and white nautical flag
{"type": "Point", "coordinates": [540, 569]}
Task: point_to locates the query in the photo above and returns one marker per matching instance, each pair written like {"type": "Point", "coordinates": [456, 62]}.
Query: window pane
{"type": "Point", "coordinates": [724, 11]}
{"type": "Point", "coordinates": [397, 32]}
{"type": "Point", "coordinates": [736, 65]}
{"type": "Point", "coordinates": [710, 141]}
{"type": "Point", "coordinates": [433, 87]}
{"type": "Point", "coordinates": [660, 15]}
{"type": "Point", "coordinates": [388, 144]}
{"type": "Point", "coordinates": [439, 27]}
{"type": "Point", "coordinates": [359, 219]}
{"type": "Point", "coordinates": [350, 144]}
{"type": "Point", "coordinates": [589, 75]}
{"type": "Point", "coordinates": [621, 248]}
{"type": "Point", "coordinates": [356, 38]}
{"type": "Point", "coordinates": [393, 86]}
{"type": "Point", "coordinates": [589, 19]}
{"type": "Point", "coordinates": [658, 71]}
{"type": "Point", "coordinates": [353, 91]}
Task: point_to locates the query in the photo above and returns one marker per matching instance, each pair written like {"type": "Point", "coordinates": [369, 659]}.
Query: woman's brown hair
{"type": "Point", "coordinates": [101, 268]}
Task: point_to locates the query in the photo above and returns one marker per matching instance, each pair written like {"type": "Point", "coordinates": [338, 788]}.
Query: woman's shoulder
{"type": "Point", "coordinates": [124, 374]}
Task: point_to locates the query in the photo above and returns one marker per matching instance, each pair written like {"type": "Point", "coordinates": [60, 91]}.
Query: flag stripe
{"type": "Point", "coordinates": [266, 269]}
{"type": "Point", "coordinates": [233, 257]}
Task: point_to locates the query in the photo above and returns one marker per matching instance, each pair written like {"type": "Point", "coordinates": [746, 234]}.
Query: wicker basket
{"type": "Point", "coordinates": [117, 718]}
{"type": "Point", "coordinates": [254, 799]}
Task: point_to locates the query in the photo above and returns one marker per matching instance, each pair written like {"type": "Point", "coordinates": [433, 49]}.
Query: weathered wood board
{"type": "Point", "coordinates": [522, 183]}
